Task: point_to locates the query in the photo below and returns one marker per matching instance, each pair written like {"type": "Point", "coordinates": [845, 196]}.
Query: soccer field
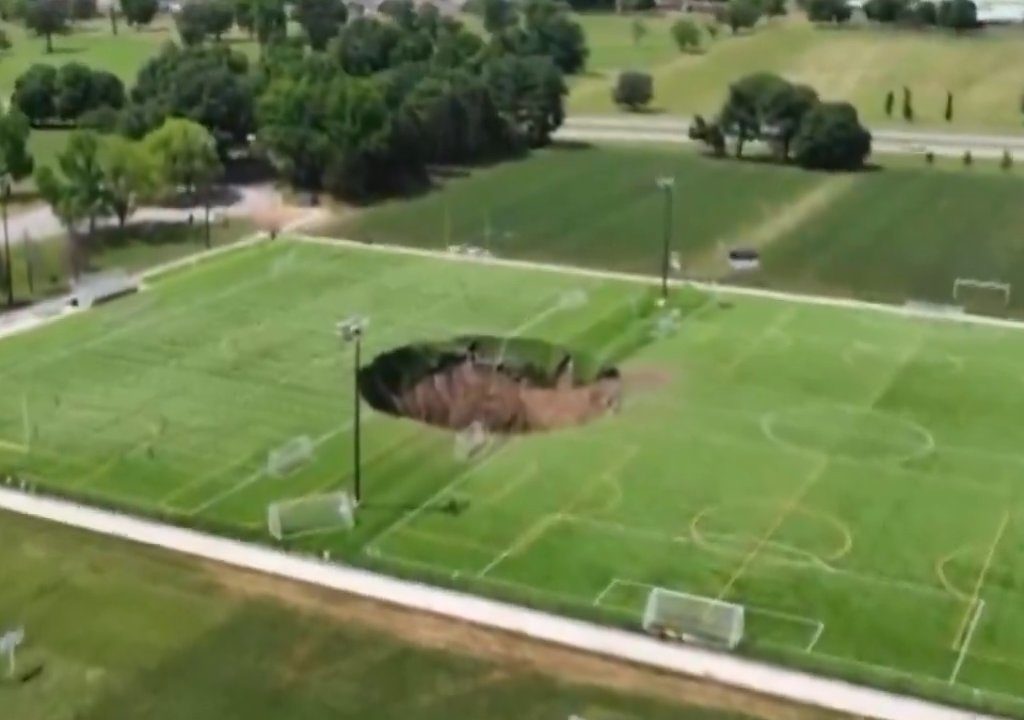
{"type": "Point", "coordinates": [851, 477]}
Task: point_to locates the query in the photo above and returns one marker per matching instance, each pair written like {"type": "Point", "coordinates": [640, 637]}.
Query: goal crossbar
{"type": "Point", "coordinates": [960, 284]}
{"type": "Point", "coordinates": [693, 617]}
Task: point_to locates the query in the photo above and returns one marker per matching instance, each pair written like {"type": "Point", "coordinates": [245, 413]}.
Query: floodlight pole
{"type": "Point", "coordinates": [351, 331]}
{"type": "Point", "coordinates": [666, 183]}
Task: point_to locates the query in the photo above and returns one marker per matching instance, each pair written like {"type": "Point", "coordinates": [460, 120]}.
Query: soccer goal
{"type": "Point", "coordinates": [288, 457]}
{"type": "Point", "coordinates": [990, 294]}
{"type": "Point", "coordinates": [693, 618]}
{"type": "Point", "coordinates": [310, 515]}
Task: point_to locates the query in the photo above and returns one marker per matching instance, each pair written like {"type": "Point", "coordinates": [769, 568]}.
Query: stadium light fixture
{"type": "Point", "coordinates": [351, 330]}
{"type": "Point", "coordinates": [666, 183]}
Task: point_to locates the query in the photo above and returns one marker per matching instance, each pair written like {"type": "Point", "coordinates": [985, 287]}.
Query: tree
{"type": "Point", "coordinates": [244, 15]}
{"type": "Point", "coordinates": [83, 9]}
{"type": "Point", "coordinates": [191, 22]}
{"type": "Point", "coordinates": [529, 93]}
{"type": "Point", "coordinates": [958, 14]}
{"type": "Point", "coordinates": [741, 14]}
{"type": "Point", "coordinates": [499, 15]}
{"type": "Point", "coordinates": [34, 92]}
{"type": "Point", "coordinates": [686, 34]}
{"type": "Point", "coordinates": [139, 12]}
{"type": "Point", "coordinates": [220, 16]}
{"type": "Point", "coordinates": [550, 30]}
{"type": "Point", "coordinates": [47, 18]}
{"type": "Point", "coordinates": [401, 12]}
{"type": "Point", "coordinates": [908, 105]}
{"type": "Point", "coordinates": [209, 85]}
{"type": "Point", "coordinates": [80, 192]}
{"type": "Point", "coordinates": [79, 89]}
{"type": "Point", "coordinates": [15, 164]}
{"type": "Point", "coordinates": [633, 90]}
{"type": "Point", "coordinates": [320, 20]}
{"type": "Point", "coordinates": [828, 11]}
{"type": "Point", "coordinates": [708, 133]}
{"type": "Point", "coordinates": [365, 46]}
{"type": "Point", "coordinates": [293, 129]}
{"type": "Point", "coordinates": [832, 138]}
{"type": "Point", "coordinates": [131, 175]}
{"type": "Point", "coordinates": [890, 101]}
{"type": "Point", "coordinates": [949, 107]}
{"type": "Point", "coordinates": [269, 21]}
{"type": "Point", "coordinates": [774, 8]}
{"type": "Point", "coordinates": [744, 115]}
{"type": "Point", "coordinates": [5, 41]}
{"type": "Point", "coordinates": [782, 109]}
{"type": "Point", "coordinates": [925, 13]}
{"type": "Point", "coordinates": [638, 30]}
{"type": "Point", "coordinates": [885, 11]}
{"type": "Point", "coordinates": [186, 157]}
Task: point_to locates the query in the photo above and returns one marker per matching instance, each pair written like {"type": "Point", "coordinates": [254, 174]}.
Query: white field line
{"type": "Point", "coordinates": [730, 670]}
{"type": "Point", "coordinates": [822, 300]}
{"type": "Point", "coordinates": [979, 609]}
{"type": "Point", "coordinates": [817, 636]}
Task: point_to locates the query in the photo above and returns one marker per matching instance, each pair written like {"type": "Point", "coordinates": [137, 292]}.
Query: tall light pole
{"type": "Point", "coordinates": [350, 330]}
{"type": "Point", "coordinates": [666, 183]}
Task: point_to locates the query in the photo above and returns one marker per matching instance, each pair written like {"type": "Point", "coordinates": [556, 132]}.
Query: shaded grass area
{"type": "Point", "coordinates": [801, 460]}
{"type": "Point", "coordinates": [123, 631]}
{"type": "Point", "coordinates": [976, 67]}
{"type": "Point", "coordinates": [904, 231]}
{"type": "Point", "coordinates": [41, 268]}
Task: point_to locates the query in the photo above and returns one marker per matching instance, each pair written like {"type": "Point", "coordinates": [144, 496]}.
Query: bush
{"type": "Point", "coordinates": [712, 28]}
{"type": "Point", "coordinates": [1007, 162]}
{"type": "Point", "coordinates": [832, 138]}
{"type": "Point", "coordinates": [104, 119]}
{"type": "Point", "coordinates": [958, 14]}
{"type": "Point", "coordinates": [968, 158]}
{"type": "Point", "coordinates": [828, 11]}
{"type": "Point", "coordinates": [34, 92]}
{"type": "Point", "coordinates": [929, 157]}
{"type": "Point", "coordinates": [741, 14]}
{"type": "Point", "coordinates": [633, 90]}
{"type": "Point", "coordinates": [686, 34]}
{"type": "Point", "coordinates": [885, 11]}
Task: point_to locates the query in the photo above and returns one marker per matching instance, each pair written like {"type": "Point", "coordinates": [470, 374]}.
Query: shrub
{"type": "Point", "coordinates": [1007, 162]}
{"type": "Point", "coordinates": [968, 158]}
{"type": "Point", "coordinates": [929, 157]}
{"type": "Point", "coordinates": [633, 90]}
{"type": "Point", "coordinates": [831, 138]}
{"type": "Point", "coordinates": [686, 34]}
{"type": "Point", "coordinates": [713, 28]}
{"type": "Point", "coordinates": [84, 9]}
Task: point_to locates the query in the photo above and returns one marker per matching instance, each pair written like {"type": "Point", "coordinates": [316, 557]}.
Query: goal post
{"type": "Point", "coordinates": [693, 618]}
{"type": "Point", "coordinates": [311, 515]}
{"type": "Point", "coordinates": [973, 291]}
{"type": "Point", "coordinates": [286, 458]}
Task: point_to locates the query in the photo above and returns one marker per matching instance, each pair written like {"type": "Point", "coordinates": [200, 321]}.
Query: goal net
{"type": "Point", "coordinates": [288, 457]}
{"type": "Point", "coordinates": [693, 618]}
{"type": "Point", "coordinates": [311, 514]}
{"type": "Point", "coordinates": [975, 294]}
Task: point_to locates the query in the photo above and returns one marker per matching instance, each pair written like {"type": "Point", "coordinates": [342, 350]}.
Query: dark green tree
{"type": "Point", "coordinates": [885, 11]}
{"type": "Point", "coordinates": [908, 105]}
{"type": "Point", "coordinates": [220, 16]}
{"type": "Point", "coordinates": [34, 92]}
{"type": "Point", "coordinates": [774, 8]}
{"type": "Point", "coordinates": [320, 20]}
{"type": "Point", "coordinates": [741, 15]}
{"type": "Point", "coordinates": [365, 46]}
{"type": "Point", "coordinates": [269, 20]}
{"type": "Point", "coordinates": [292, 121]}
{"type": "Point", "coordinates": [244, 15]}
{"type": "Point", "coordinates": [949, 107]}
{"type": "Point", "coordinates": [209, 85]}
{"type": "Point", "coordinates": [686, 35]}
{"type": "Point", "coordinates": [139, 13]}
{"type": "Point", "coordinates": [958, 14]}
{"type": "Point", "coordinates": [192, 22]}
{"type": "Point", "coordinates": [15, 165]}
{"type": "Point", "coordinates": [633, 90]}
{"type": "Point", "coordinates": [828, 11]}
{"type": "Point", "coordinates": [890, 101]}
{"type": "Point", "coordinates": [832, 138]}
{"type": "Point", "coordinates": [529, 93]}
{"type": "Point", "coordinates": [47, 18]}
{"type": "Point", "coordinates": [499, 15]}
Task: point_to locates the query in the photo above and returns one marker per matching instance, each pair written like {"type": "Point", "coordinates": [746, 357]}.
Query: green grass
{"type": "Point", "coordinates": [122, 631]}
{"type": "Point", "coordinates": [852, 477]}
{"type": "Point", "coordinates": [903, 232]}
{"type": "Point", "coordinates": [137, 247]}
{"type": "Point", "coordinates": [977, 68]}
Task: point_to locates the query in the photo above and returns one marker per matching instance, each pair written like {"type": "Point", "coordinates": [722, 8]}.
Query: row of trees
{"type": "Point", "coordinates": [791, 120]}
{"type": "Point", "coordinates": [46, 95]}
{"type": "Point", "coordinates": [955, 14]}
{"type": "Point", "coordinates": [362, 113]}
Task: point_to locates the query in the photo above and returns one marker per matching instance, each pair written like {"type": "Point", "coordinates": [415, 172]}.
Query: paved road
{"type": "Point", "coordinates": [672, 129]}
{"type": "Point", "coordinates": [39, 223]}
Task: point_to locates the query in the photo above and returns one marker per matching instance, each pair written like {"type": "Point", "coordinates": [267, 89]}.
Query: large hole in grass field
{"type": "Point", "coordinates": [504, 385]}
